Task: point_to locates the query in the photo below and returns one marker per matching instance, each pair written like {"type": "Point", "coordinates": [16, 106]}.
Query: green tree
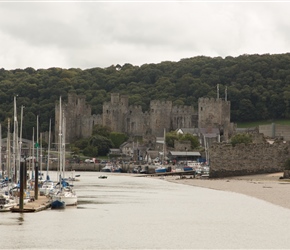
{"type": "Point", "coordinates": [170, 137]}
{"type": "Point", "coordinates": [118, 138]}
{"type": "Point", "coordinates": [103, 144]}
{"type": "Point", "coordinates": [194, 142]}
{"type": "Point", "coordinates": [241, 138]}
{"type": "Point", "coordinates": [90, 151]}
{"type": "Point", "coordinates": [101, 130]}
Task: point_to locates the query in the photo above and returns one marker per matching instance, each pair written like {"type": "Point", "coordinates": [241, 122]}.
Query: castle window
{"type": "Point", "coordinates": [107, 111]}
{"type": "Point", "coordinates": [200, 108]}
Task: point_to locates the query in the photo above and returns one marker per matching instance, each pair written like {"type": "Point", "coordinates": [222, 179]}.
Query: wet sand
{"type": "Point", "coordinates": [268, 187]}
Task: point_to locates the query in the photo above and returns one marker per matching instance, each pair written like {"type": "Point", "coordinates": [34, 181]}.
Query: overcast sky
{"type": "Point", "coordinates": [89, 34]}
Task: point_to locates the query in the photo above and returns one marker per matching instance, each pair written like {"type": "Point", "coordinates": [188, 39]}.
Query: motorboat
{"type": "Point", "coordinates": [108, 167]}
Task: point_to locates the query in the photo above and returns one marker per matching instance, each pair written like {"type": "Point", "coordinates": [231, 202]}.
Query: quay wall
{"type": "Point", "coordinates": [90, 167]}
{"type": "Point", "coordinates": [227, 160]}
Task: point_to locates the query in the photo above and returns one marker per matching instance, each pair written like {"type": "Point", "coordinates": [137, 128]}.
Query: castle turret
{"type": "Point", "coordinates": [160, 116]}
{"type": "Point", "coordinates": [77, 115]}
{"type": "Point", "coordinates": [214, 113]}
{"type": "Point", "coordinates": [114, 112]}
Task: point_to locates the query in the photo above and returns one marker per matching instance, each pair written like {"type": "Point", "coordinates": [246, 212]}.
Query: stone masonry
{"type": "Point", "coordinates": [227, 160]}
{"type": "Point", "coordinates": [124, 118]}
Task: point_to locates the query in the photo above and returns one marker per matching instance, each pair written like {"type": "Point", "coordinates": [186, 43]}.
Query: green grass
{"type": "Point", "coordinates": [257, 123]}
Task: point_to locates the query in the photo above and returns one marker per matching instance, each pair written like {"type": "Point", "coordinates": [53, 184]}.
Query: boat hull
{"type": "Point", "coordinates": [6, 203]}
{"type": "Point", "coordinates": [58, 204]}
{"type": "Point", "coordinates": [160, 170]}
{"type": "Point", "coordinates": [67, 196]}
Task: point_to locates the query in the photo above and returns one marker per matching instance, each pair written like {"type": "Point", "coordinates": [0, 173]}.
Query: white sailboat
{"type": "Point", "coordinates": [7, 201]}
{"type": "Point", "coordinates": [161, 168]}
{"type": "Point", "coordinates": [48, 185]}
{"type": "Point", "coordinates": [65, 194]}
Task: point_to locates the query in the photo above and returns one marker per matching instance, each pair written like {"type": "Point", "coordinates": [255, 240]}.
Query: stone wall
{"type": "Point", "coordinates": [276, 130]}
{"type": "Point", "coordinates": [226, 160]}
{"type": "Point", "coordinates": [215, 113]}
{"type": "Point", "coordinates": [121, 117]}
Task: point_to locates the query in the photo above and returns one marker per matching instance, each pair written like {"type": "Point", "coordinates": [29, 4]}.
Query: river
{"type": "Point", "coordinates": [125, 212]}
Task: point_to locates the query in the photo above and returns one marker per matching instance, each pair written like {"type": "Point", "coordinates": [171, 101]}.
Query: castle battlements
{"type": "Point", "coordinates": [182, 109]}
{"type": "Point", "coordinates": [121, 117]}
{"type": "Point", "coordinates": [213, 101]}
{"type": "Point", "coordinates": [135, 107]}
{"type": "Point", "coordinates": [155, 104]}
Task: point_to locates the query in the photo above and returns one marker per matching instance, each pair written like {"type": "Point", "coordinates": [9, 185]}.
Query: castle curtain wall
{"type": "Point", "coordinates": [120, 117]}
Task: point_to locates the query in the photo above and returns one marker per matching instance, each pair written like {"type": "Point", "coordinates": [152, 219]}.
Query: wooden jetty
{"type": "Point", "coordinates": [32, 206]}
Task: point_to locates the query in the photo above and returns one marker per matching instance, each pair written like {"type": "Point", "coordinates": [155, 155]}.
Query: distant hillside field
{"type": "Point", "coordinates": [257, 123]}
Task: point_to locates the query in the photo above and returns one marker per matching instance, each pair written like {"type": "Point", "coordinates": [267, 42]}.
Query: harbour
{"type": "Point", "coordinates": [123, 212]}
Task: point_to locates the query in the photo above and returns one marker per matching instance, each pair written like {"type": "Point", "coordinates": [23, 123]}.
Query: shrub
{"type": "Point", "coordinates": [241, 138]}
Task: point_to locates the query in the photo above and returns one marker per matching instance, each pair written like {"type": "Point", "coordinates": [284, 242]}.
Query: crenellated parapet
{"type": "Point", "coordinates": [212, 101]}
{"type": "Point", "coordinates": [214, 113]}
{"type": "Point", "coordinates": [182, 109]}
{"type": "Point", "coordinates": [120, 117]}
{"type": "Point", "coordinates": [134, 109]}
{"type": "Point", "coordinates": [159, 105]}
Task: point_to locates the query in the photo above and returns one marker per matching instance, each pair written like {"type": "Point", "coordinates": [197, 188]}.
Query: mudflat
{"type": "Point", "coordinates": [268, 187]}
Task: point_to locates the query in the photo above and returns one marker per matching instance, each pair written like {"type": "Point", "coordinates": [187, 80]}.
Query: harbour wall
{"type": "Point", "coordinates": [90, 167]}
{"type": "Point", "coordinates": [241, 159]}
{"type": "Point", "coordinates": [276, 130]}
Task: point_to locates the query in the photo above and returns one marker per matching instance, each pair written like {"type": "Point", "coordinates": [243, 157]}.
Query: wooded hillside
{"type": "Point", "coordinates": [258, 87]}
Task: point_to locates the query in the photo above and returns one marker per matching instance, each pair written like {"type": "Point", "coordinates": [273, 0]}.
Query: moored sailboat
{"type": "Point", "coordinates": [65, 193]}
{"type": "Point", "coordinates": [7, 202]}
{"type": "Point", "coordinates": [161, 168]}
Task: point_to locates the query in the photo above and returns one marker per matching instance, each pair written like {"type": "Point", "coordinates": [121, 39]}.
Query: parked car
{"type": "Point", "coordinates": [89, 161]}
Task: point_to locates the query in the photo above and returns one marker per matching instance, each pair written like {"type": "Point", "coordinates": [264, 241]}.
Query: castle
{"type": "Point", "coordinates": [124, 118]}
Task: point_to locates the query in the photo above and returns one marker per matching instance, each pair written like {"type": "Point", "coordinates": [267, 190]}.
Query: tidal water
{"type": "Point", "coordinates": [125, 212]}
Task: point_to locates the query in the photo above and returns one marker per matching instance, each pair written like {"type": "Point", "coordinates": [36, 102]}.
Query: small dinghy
{"type": "Point", "coordinates": [58, 204]}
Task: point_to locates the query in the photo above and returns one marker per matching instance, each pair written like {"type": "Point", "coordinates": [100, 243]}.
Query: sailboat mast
{"type": "Point", "coordinates": [37, 141]}
{"type": "Point", "coordinates": [33, 160]}
{"type": "Point", "coordinates": [14, 142]}
{"type": "Point", "coordinates": [8, 159]}
{"type": "Point", "coordinates": [48, 151]}
{"type": "Point", "coordinates": [40, 141]}
{"type": "Point", "coordinates": [60, 138]}
{"type": "Point", "coordinates": [21, 124]}
{"type": "Point", "coordinates": [1, 150]}
{"type": "Point", "coordinates": [164, 145]}
{"type": "Point", "coordinates": [63, 144]}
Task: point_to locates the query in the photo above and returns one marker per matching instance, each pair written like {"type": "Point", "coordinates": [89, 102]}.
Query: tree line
{"type": "Point", "coordinates": [258, 87]}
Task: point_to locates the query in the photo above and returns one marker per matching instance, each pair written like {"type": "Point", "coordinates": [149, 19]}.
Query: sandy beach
{"type": "Point", "coordinates": [268, 187]}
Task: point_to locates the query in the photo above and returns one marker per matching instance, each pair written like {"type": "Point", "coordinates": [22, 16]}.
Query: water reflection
{"type": "Point", "coordinates": [20, 219]}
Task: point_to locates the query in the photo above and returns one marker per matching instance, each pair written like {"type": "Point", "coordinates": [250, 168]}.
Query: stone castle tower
{"type": "Point", "coordinates": [215, 113]}
{"type": "Point", "coordinates": [78, 119]}
{"type": "Point", "coordinates": [114, 112]}
{"type": "Point", "coordinates": [120, 117]}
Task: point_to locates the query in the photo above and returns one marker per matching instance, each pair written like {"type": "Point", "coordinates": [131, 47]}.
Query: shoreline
{"type": "Point", "coordinates": [267, 187]}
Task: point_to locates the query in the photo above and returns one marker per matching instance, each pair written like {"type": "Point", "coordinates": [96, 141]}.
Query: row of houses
{"type": "Point", "coordinates": [181, 152]}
